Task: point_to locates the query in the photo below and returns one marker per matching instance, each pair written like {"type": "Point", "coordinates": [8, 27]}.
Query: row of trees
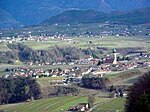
{"type": "Point", "coordinates": [19, 89]}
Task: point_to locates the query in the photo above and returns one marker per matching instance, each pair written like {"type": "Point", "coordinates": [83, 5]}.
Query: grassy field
{"type": "Point", "coordinates": [4, 66]}
{"type": "Point", "coordinates": [83, 42]}
{"type": "Point", "coordinates": [45, 67]}
{"type": "Point", "coordinates": [112, 105]}
{"type": "Point", "coordinates": [44, 82]}
{"type": "Point", "coordinates": [3, 47]}
{"type": "Point", "coordinates": [60, 104]}
{"type": "Point", "coordinates": [127, 77]}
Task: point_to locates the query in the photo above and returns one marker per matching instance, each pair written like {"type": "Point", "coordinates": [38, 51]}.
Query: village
{"type": "Point", "coordinates": [104, 29]}
{"type": "Point", "coordinates": [94, 68]}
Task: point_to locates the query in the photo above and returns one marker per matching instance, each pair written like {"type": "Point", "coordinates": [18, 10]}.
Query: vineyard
{"type": "Point", "coordinates": [112, 105]}
{"type": "Point", "coordinates": [56, 104]}
{"type": "Point", "coordinates": [61, 104]}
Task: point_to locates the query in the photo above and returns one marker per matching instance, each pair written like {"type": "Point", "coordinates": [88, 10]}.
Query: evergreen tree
{"type": "Point", "coordinates": [139, 96]}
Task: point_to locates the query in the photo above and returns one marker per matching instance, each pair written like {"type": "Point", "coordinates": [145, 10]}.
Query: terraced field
{"type": "Point", "coordinates": [60, 104]}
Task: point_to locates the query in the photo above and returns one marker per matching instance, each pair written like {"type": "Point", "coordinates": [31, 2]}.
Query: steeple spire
{"type": "Point", "coordinates": [115, 56]}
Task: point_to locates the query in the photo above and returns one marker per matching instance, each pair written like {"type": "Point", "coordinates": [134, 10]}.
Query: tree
{"type": "Point", "coordinates": [139, 95]}
{"type": "Point", "coordinates": [121, 93]}
{"type": "Point", "coordinates": [95, 82]}
{"type": "Point", "coordinates": [18, 89]}
{"type": "Point", "coordinates": [91, 101]}
{"type": "Point", "coordinates": [111, 88]}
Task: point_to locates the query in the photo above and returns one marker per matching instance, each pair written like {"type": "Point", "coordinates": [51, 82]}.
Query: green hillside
{"type": "Point", "coordinates": [60, 104]}
{"type": "Point", "coordinates": [114, 105]}
{"type": "Point", "coordinates": [139, 16]}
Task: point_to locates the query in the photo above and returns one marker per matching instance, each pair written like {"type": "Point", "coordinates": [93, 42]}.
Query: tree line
{"type": "Point", "coordinates": [95, 82]}
{"type": "Point", "coordinates": [18, 89]}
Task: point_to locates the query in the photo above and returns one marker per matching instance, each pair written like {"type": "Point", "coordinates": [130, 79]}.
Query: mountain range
{"type": "Point", "coordinates": [7, 20]}
{"type": "Point", "coordinates": [140, 16]}
{"type": "Point", "coordinates": [32, 12]}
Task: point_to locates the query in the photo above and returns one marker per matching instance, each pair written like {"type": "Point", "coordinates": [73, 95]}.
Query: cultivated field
{"type": "Point", "coordinates": [108, 42]}
{"type": "Point", "coordinates": [60, 104]}
{"type": "Point", "coordinates": [112, 105]}
{"type": "Point", "coordinates": [86, 42]}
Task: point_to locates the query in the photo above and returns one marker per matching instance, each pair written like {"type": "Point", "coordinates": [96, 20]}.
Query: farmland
{"type": "Point", "coordinates": [111, 106]}
{"type": "Point", "coordinates": [108, 42]}
{"type": "Point", "coordinates": [83, 42]}
{"type": "Point", "coordinates": [60, 104]}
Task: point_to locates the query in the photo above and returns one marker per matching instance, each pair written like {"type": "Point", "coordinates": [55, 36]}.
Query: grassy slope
{"type": "Point", "coordinates": [58, 103]}
{"type": "Point", "coordinates": [44, 82]}
{"type": "Point", "coordinates": [111, 106]}
{"type": "Point", "coordinates": [46, 105]}
{"type": "Point", "coordinates": [3, 47]}
{"type": "Point", "coordinates": [127, 77]}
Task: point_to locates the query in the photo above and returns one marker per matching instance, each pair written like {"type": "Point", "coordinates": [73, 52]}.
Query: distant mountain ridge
{"type": "Point", "coordinates": [31, 12]}
{"type": "Point", "coordinates": [139, 16]}
{"type": "Point", "coordinates": [8, 21]}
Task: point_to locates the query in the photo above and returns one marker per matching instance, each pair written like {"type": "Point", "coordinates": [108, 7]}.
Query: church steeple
{"type": "Point", "coordinates": [115, 56]}
{"type": "Point", "coordinates": [114, 50]}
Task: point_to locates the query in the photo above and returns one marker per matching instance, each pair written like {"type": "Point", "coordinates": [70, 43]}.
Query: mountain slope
{"type": "Point", "coordinates": [75, 16]}
{"type": "Point", "coordinates": [30, 12]}
{"type": "Point", "coordinates": [7, 21]}
{"type": "Point", "coordinates": [126, 5]}
{"type": "Point", "coordinates": [82, 16]}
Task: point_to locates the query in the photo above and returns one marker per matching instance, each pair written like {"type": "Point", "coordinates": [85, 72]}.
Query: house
{"type": "Point", "coordinates": [108, 60]}
{"type": "Point", "coordinates": [81, 107]}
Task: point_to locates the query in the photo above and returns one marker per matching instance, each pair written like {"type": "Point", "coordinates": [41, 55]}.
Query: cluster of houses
{"type": "Point", "coordinates": [70, 74]}
{"type": "Point", "coordinates": [81, 107]}
{"type": "Point", "coordinates": [107, 29]}
{"type": "Point", "coordinates": [95, 68]}
{"type": "Point", "coordinates": [78, 72]}
{"type": "Point", "coordinates": [75, 74]}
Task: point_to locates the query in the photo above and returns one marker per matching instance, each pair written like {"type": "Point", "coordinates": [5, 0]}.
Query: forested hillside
{"type": "Point", "coordinates": [140, 16]}
{"type": "Point", "coordinates": [22, 53]}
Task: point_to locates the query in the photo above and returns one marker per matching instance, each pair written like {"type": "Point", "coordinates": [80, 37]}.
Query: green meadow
{"type": "Point", "coordinates": [61, 104]}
